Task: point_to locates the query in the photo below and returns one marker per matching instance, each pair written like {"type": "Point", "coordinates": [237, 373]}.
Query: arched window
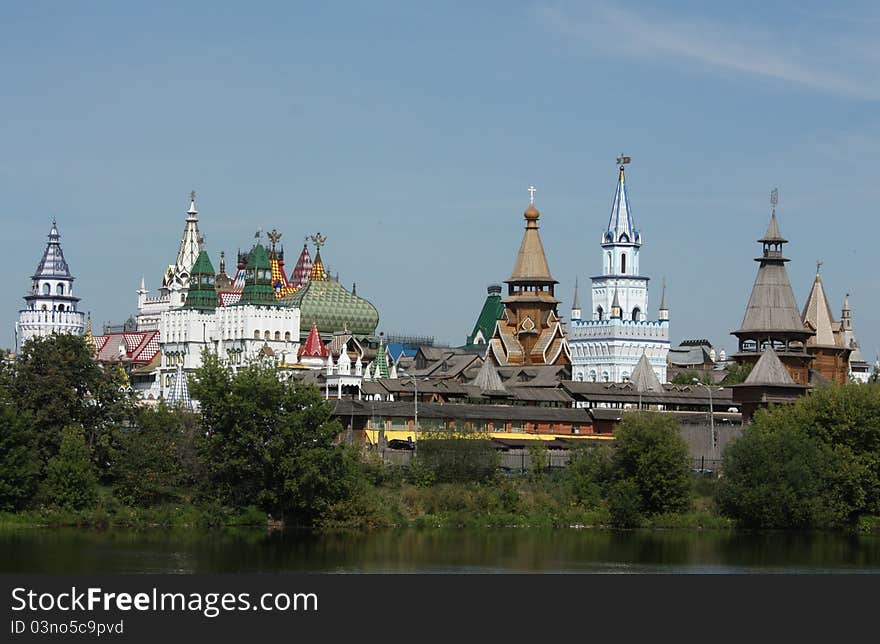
{"type": "Point", "coordinates": [287, 336]}
{"type": "Point", "coordinates": [637, 314]}
{"type": "Point", "coordinates": [47, 290]}
{"type": "Point", "coordinates": [600, 312]}
{"type": "Point", "coordinates": [623, 263]}
{"type": "Point", "coordinates": [60, 307]}
{"type": "Point", "coordinates": [580, 376]}
{"type": "Point", "coordinates": [59, 289]}
{"type": "Point", "coordinates": [625, 377]}
{"type": "Point", "coordinates": [608, 267]}
{"type": "Point", "coordinates": [278, 335]}
{"type": "Point", "coordinates": [265, 335]}
{"type": "Point", "coordinates": [592, 376]}
{"type": "Point", "coordinates": [604, 376]}
{"type": "Point", "coordinates": [257, 334]}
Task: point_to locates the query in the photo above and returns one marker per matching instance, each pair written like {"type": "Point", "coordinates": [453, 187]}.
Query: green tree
{"type": "Point", "coordinates": [625, 504]}
{"type": "Point", "coordinates": [778, 477]}
{"type": "Point", "coordinates": [57, 381]}
{"type": "Point", "coordinates": [838, 428]}
{"type": "Point", "coordinates": [651, 453]}
{"type": "Point", "coordinates": [158, 456]}
{"type": "Point", "coordinates": [539, 459]}
{"type": "Point", "coordinates": [736, 373]}
{"type": "Point", "coordinates": [687, 378]}
{"type": "Point", "coordinates": [71, 482]}
{"type": "Point", "coordinates": [19, 459]}
{"type": "Point", "coordinates": [272, 443]}
{"type": "Point", "coordinates": [588, 473]}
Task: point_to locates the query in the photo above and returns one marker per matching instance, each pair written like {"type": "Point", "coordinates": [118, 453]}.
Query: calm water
{"type": "Point", "coordinates": [513, 550]}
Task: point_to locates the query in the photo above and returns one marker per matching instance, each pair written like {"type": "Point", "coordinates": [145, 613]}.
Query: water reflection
{"type": "Point", "coordinates": [511, 550]}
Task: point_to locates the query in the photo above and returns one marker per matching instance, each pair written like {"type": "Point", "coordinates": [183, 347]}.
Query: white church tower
{"type": "Point", "coordinates": [175, 281]}
{"type": "Point", "coordinates": [51, 306]}
{"type": "Point", "coordinates": [608, 344]}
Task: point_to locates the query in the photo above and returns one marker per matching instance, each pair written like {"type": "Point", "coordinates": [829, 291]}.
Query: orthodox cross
{"type": "Point", "coordinates": [532, 191]}
{"type": "Point", "coordinates": [774, 199]}
{"type": "Point", "coordinates": [274, 236]}
{"type": "Point", "coordinates": [622, 160]}
{"type": "Point", "coordinates": [192, 195]}
{"type": "Point", "coordinates": [318, 239]}
{"type": "Point", "coordinates": [819, 263]}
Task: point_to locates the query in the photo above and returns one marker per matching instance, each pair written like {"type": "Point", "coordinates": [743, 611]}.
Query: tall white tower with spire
{"type": "Point", "coordinates": [175, 281]}
{"type": "Point", "coordinates": [608, 344]}
{"type": "Point", "coordinates": [51, 306]}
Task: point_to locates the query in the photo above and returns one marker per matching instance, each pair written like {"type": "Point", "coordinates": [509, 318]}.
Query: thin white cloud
{"type": "Point", "coordinates": [828, 65]}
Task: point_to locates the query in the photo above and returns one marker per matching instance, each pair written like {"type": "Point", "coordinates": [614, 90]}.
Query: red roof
{"type": "Point", "coordinates": [314, 346]}
{"type": "Point", "coordinates": [303, 268]}
{"type": "Point", "coordinates": [138, 346]}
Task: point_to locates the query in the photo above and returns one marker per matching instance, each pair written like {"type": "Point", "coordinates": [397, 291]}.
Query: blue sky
{"type": "Point", "coordinates": [409, 133]}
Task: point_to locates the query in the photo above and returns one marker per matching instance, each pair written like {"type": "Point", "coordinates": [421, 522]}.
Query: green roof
{"type": "Point", "coordinates": [492, 311]}
{"type": "Point", "coordinates": [327, 304]}
{"type": "Point", "coordinates": [258, 279]}
{"type": "Point", "coordinates": [201, 294]}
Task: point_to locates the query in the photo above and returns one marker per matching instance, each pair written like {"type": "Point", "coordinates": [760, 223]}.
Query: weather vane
{"type": "Point", "coordinates": [274, 236]}
{"type": "Point", "coordinates": [318, 239]}
{"type": "Point", "coordinates": [192, 195]}
{"type": "Point", "coordinates": [623, 160]}
{"type": "Point", "coordinates": [532, 191]}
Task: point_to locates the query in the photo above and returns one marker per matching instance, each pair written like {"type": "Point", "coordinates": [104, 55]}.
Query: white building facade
{"type": "Point", "coordinates": [608, 344]}
{"type": "Point", "coordinates": [51, 306]}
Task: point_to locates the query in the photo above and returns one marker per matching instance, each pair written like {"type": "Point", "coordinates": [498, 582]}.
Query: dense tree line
{"type": "Point", "coordinates": [72, 437]}
{"type": "Point", "coordinates": [70, 431]}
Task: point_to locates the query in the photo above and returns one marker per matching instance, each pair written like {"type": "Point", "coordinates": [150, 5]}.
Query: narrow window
{"type": "Point", "coordinates": [623, 263]}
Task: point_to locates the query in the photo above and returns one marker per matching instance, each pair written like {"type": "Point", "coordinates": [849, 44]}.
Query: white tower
{"type": "Point", "coordinates": [175, 281]}
{"type": "Point", "coordinates": [607, 346]}
{"type": "Point", "coordinates": [51, 306]}
{"type": "Point", "coordinates": [620, 243]}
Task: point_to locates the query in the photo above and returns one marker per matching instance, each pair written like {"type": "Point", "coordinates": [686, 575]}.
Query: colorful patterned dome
{"type": "Point", "coordinates": [326, 303]}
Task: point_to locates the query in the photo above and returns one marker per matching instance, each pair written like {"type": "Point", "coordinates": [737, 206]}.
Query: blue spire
{"type": "Point", "coordinates": [621, 227]}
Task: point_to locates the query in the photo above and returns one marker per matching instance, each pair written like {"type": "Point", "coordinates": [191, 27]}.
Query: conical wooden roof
{"type": "Point", "coordinates": [769, 370]}
{"type": "Point", "coordinates": [817, 314]}
{"type": "Point", "coordinates": [643, 377]}
{"type": "Point", "coordinates": [772, 308]}
{"type": "Point", "coordinates": [488, 379]}
{"type": "Point", "coordinates": [531, 261]}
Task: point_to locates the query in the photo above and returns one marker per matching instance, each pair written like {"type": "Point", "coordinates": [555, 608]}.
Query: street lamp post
{"type": "Point", "coordinates": [711, 417]}
{"type": "Point", "coordinates": [415, 412]}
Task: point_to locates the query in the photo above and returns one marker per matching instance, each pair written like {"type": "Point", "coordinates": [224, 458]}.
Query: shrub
{"type": "Point", "coordinates": [71, 482]}
{"type": "Point", "coordinates": [651, 454]}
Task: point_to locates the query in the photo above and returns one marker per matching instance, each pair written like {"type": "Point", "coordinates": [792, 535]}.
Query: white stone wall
{"type": "Point", "coordinates": [609, 350]}
{"type": "Point", "coordinates": [32, 323]}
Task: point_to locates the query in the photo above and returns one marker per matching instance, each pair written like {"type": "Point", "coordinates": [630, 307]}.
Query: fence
{"type": "Point", "coordinates": [519, 460]}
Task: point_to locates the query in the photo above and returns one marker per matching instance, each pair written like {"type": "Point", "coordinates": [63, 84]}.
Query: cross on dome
{"type": "Point", "coordinates": [532, 191]}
